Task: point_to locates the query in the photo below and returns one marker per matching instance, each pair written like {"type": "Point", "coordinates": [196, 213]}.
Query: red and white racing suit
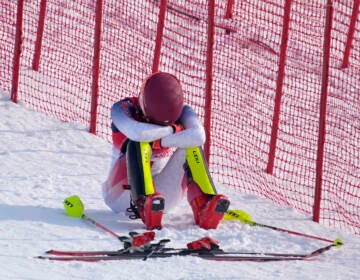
{"type": "Point", "coordinates": [167, 159]}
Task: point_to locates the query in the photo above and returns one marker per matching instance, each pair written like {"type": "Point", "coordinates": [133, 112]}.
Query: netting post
{"type": "Point", "coordinates": [96, 67]}
{"type": "Point", "coordinates": [39, 35]}
{"type": "Point", "coordinates": [322, 117]}
{"type": "Point", "coordinates": [279, 85]}
{"type": "Point", "coordinates": [159, 36]}
{"type": "Point", "coordinates": [208, 85]}
{"type": "Point", "coordinates": [350, 35]}
{"type": "Point", "coordinates": [17, 51]}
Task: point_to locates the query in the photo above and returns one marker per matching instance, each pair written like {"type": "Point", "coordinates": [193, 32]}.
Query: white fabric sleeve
{"type": "Point", "coordinates": [192, 136]}
{"type": "Point", "coordinates": [134, 130]}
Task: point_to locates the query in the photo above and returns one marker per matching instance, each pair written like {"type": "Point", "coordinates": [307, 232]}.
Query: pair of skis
{"type": "Point", "coordinates": [139, 247]}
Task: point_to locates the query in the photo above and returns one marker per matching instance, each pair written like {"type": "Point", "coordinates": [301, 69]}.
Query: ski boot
{"type": "Point", "coordinates": [209, 210]}
{"type": "Point", "coordinates": [150, 209]}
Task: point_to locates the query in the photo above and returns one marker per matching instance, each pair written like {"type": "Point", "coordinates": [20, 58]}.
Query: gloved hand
{"type": "Point", "coordinates": [156, 145]}
{"type": "Point", "coordinates": [177, 127]}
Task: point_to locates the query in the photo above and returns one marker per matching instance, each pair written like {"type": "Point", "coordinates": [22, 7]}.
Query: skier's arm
{"type": "Point", "coordinates": [134, 130]}
{"type": "Point", "coordinates": [193, 134]}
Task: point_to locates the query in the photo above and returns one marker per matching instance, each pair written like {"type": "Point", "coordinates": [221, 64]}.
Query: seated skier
{"type": "Point", "coordinates": [158, 157]}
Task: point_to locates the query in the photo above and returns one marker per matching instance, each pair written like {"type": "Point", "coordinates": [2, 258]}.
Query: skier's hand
{"type": "Point", "coordinates": [177, 127]}
{"type": "Point", "coordinates": [156, 145]}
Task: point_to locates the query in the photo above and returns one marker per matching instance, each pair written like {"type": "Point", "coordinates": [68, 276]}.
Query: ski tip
{"type": "Point", "coordinates": [338, 243]}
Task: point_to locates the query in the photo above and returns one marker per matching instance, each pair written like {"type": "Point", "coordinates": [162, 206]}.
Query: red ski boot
{"type": "Point", "coordinates": [209, 210]}
{"type": "Point", "coordinates": [150, 209]}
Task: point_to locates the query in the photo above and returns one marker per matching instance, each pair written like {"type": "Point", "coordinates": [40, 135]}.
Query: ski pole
{"type": "Point", "coordinates": [75, 208]}
{"type": "Point", "coordinates": [244, 217]}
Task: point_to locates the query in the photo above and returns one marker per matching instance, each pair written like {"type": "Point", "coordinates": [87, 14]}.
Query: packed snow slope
{"type": "Point", "coordinates": [44, 161]}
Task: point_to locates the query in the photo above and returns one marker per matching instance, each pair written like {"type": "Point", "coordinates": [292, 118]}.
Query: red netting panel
{"type": "Point", "coordinates": [297, 141]}
{"type": "Point", "coordinates": [62, 86]}
{"type": "Point", "coordinates": [7, 39]}
{"type": "Point", "coordinates": [245, 69]}
{"type": "Point", "coordinates": [242, 105]}
{"type": "Point", "coordinates": [341, 181]}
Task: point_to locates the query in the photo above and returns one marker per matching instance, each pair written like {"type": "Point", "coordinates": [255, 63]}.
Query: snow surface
{"type": "Point", "coordinates": [44, 161]}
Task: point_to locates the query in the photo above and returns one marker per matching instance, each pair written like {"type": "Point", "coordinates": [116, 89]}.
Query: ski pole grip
{"type": "Point", "coordinates": [74, 206]}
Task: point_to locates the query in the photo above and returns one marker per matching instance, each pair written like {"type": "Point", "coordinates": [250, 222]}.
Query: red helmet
{"type": "Point", "coordinates": [161, 98]}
